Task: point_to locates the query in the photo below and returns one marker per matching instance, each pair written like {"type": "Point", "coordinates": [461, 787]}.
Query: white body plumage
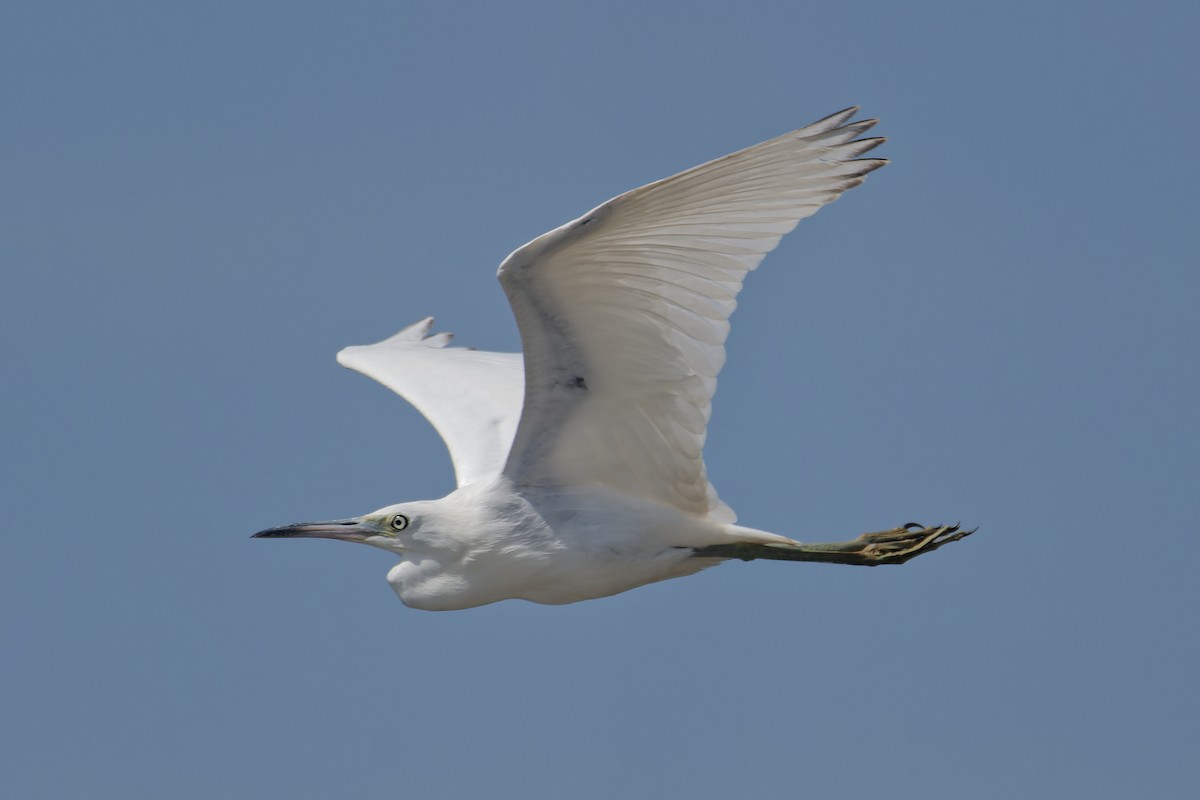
{"type": "Point", "coordinates": [491, 541]}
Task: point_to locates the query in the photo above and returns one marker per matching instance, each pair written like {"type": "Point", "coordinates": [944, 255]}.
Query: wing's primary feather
{"type": "Point", "coordinates": [623, 313]}
{"type": "Point", "coordinates": [471, 397]}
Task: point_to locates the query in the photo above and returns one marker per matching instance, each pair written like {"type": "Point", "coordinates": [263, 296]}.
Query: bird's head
{"type": "Point", "coordinates": [433, 541]}
{"type": "Point", "coordinates": [391, 528]}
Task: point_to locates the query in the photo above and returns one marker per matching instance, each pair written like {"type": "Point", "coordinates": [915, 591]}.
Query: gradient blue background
{"type": "Point", "coordinates": [200, 203]}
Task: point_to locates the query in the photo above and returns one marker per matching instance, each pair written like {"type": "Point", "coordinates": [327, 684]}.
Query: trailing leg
{"type": "Point", "coordinates": [869, 550]}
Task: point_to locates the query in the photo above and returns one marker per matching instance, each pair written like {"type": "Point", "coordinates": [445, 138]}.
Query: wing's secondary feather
{"type": "Point", "coordinates": [624, 312]}
{"type": "Point", "coordinates": [471, 397]}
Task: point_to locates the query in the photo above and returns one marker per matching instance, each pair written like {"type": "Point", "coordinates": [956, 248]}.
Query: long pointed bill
{"type": "Point", "coordinates": [350, 530]}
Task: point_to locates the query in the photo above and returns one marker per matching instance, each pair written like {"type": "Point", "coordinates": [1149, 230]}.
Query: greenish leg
{"type": "Point", "coordinates": [869, 550]}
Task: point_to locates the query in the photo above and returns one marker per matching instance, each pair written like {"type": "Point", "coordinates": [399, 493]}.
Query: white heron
{"type": "Point", "coordinates": [579, 464]}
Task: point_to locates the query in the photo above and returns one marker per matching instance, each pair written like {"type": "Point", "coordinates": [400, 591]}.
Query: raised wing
{"type": "Point", "coordinates": [623, 312]}
{"type": "Point", "coordinates": [472, 398]}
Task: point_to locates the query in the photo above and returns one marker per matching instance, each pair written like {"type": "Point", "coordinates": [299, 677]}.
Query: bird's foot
{"type": "Point", "coordinates": [869, 550]}
{"type": "Point", "coordinates": [899, 544]}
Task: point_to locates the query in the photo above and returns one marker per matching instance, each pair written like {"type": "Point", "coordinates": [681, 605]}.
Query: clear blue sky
{"type": "Point", "coordinates": [200, 203]}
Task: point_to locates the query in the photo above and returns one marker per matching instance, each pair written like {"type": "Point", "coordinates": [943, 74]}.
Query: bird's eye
{"type": "Point", "coordinates": [399, 522]}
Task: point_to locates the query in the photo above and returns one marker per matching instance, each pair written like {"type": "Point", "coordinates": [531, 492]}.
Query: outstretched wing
{"type": "Point", "coordinates": [623, 312]}
{"type": "Point", "coordinates": [471, 397]}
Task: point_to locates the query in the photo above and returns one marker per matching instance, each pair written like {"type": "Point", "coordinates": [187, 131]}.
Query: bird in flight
{"type": "Point", "coordinates": [578, 463]}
